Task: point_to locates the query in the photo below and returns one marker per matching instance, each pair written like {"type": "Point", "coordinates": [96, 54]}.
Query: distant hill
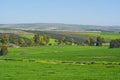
{"type": "Point", "coordinates": [59, 26]}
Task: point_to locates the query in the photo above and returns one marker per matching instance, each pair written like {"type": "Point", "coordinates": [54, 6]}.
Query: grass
{"type": "Point", "coordinates": [52, 41]}
{"type": "Point", "coordinates": [41, 71]}
{"type": "Point", "coordinates": [112, 35]}
{"type": "Point", "coordinates": [64, 53]}
{"type": "Point", "coordinates": [106, 35]}
{"type": "Point", "coordinates": [45, 68]}
{"type": "Point", "coordinates": [29, 36]}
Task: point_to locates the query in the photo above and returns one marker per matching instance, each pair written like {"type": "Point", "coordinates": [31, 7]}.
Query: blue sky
{"type": "Point", "coordinates": [87, 12]}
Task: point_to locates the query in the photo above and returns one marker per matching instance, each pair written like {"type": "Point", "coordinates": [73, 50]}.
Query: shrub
{"type": "Point", "coordinates": [115, 43]}
{"type": "Point", "coordinates": [4, 50]}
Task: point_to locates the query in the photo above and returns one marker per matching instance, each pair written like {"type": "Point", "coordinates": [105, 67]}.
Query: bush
{"type": "Point", "coordinates": [115, 43]}
{"type": "Point", "coordinates": [4, 50]}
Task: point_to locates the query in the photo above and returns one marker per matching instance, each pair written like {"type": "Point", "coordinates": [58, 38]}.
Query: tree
{"type": "Point", "coordinates": [99, 41]}
{"type": "Point", "coordinates": [115, 43]}
{"type": "Point", "coordinates": [72, 41]}
{"type": "Point", "coordinates": [90, 41]}
{"type": "Point", "coordinates": [46, 38]}
{"type": "Point", "coordinates": [36, 39]}
{"type": "Point", "coordinates": [22, 42]}
{"type": "Point", "coordinates": [4, 50]}
{"type": "Point", "coordinates": [42, 41]}
{"type": "Point", "coordinates": [13, 39]}
{"type": "Point", "coordinates": [5, 39]}
{"type": "Point", "coordinates": [62, 40]}
{"type": "Point", "coordinates": [31, 42]}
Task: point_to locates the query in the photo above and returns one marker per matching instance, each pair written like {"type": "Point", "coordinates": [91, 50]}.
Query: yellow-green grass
{"type": "Point", "coordinates": [52, 41]}
{"type": "Point", "coordinates": [42, 71]}
{"type": "Point", "coordinates": [29, 36]}
{"type": "Point", "coordinates": [46, 68]}
{"type": "Point", "coordinates": [88, 33]}
{"type": "Point", "coordinates": [64, 53]}
{"type": "Point", "coordinates": [106, 35]}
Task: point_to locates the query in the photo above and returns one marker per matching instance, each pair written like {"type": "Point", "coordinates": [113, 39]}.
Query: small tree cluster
{"type": "Point", "coordinates": [99, 41]}
{"type": "Point", "coordinates": [22, 42]}
{"type": "Point", "coordinates": [115, 43]}
{"type": "Point", "coordinates": [63, 40]}
{"type": "Point", "coordinates": [41, 39]}
{"type": "Point", "coordinates": [90, 41]}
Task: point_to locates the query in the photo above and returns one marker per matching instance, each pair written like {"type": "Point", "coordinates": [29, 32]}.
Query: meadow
{"type": "Point", "coordinates": [106, 35]}
{"type": "Point", "coordinates": [61, 63]}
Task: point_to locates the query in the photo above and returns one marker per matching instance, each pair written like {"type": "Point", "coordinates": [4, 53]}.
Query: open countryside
{"type": "Point", "coordinates": [59, 39]}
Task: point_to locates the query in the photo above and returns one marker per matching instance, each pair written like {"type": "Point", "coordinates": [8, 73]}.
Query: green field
{"type": "Point", "coordinates": [106, 35]}
{"type": "Point", "coordinates": [61, 63]}
{"type": "Point", "coordinates": [29, 36]}
{"type": "Point", "coordinates": [42, 71]}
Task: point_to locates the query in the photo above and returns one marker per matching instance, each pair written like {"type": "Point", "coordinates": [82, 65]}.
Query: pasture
{"type": "Point", "coordinates": [61, 63]}
{"type": "Point", "coordinates": [106, 35]}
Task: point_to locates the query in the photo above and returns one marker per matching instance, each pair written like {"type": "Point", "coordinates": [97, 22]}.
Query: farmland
{"type": "Point", "coordinates": [61, 63]}
{"type": "Point", "coordinates": [106, 35]}
{"type": "Point", "coordinates": [60, 40]}
{"type": "Point", "coordinates": [42, 71]}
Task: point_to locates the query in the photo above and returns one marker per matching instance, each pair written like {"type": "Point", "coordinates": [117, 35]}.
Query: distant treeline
{"type": "Point", "coordinates": [42, 38]}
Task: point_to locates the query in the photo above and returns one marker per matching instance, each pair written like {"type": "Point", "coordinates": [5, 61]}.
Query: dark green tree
{"type": "Point", "coordinates": [99, 41]}
{"type": "Point", "coordinates": [4, 50]}
{"type": "Point", "coordinates": [36, 39]}
{"type": "Point", "coordinates": [115, 43]}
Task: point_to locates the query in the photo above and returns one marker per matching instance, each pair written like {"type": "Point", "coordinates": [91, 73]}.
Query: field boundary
{"type": "Point", "coordinates": [62, 62]}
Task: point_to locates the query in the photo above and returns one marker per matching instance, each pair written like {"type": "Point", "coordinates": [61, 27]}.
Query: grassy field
{"type": "Point", "coordinates": [29, 36]}
{"type": "Point", "coordinates": [64, 53]}
{"type": "Point", "coordinates": [42, 71]}
{"type": "Point", "coordinates": [106, 35]}
{"type": "Point", "coordinates": [61, 63]}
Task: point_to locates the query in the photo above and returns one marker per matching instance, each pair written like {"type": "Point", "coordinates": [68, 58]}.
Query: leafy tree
{"type": "Point", "coordinates": [31, 42]}
{"type": "Point", "coordinates": [72, 41]}
{"type": "Point", "coordinates": [42, 41]}
{"type": "Point", "coordinates": [36, 39]}
{"type": "Point", "coordinates": [22, 42]}
{"type": "Point", "coordinates": [13, 39]}
{"type": "Point", "coordinates": [46, 38]}
{"type": "Point", "coordinates": [4, 50]}
{"type": "Point", "coordinates": [5, 39]}
{"type": "Point", "coordinates": [115, 43]}
{"type": "Point", "coordinates": [62, 39]}
{"type": "Point", "coordinates": [90, 41]}
{"type": "Point", "coordinates": [99, 41]}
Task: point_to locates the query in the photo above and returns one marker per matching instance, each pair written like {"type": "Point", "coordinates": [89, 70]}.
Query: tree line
{"type": "Point", "coordinates": [43, 39]}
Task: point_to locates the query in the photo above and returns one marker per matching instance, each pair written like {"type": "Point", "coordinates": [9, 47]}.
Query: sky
{"type": "Point", "coordinates": [86, 12]}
